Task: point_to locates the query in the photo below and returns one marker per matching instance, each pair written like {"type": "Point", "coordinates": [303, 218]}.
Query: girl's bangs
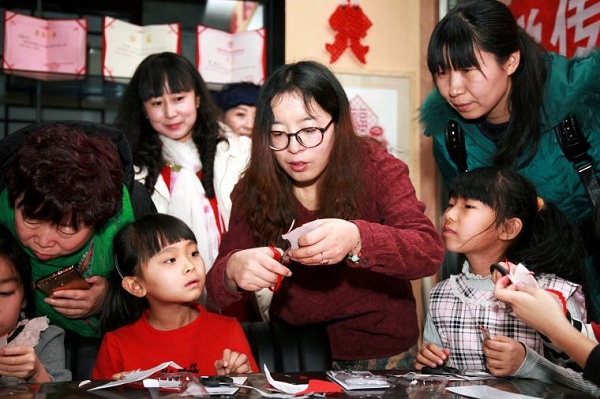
{"type": "Point", "coordinates": [472, 189]}
{"type": "Point", "coordinates": [156, 82]}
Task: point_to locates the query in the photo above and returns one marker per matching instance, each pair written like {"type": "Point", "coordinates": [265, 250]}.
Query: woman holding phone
{"type": "Point", "coordinates": [66, 189]}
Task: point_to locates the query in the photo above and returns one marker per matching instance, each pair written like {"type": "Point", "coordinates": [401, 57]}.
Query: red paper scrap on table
{"type": "Point", "coordinates": [321, 386]}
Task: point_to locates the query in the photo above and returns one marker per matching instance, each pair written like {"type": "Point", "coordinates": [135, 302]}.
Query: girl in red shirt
{"type": "Point", "coordinates": [152, 314]}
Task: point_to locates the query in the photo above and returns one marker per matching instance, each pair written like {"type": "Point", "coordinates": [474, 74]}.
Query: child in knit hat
{"type": "Point", "coordinates": [237, 102]}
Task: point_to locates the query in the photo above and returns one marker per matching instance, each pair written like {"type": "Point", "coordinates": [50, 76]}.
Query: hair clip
{"type": "Point", "coordinates": [117, 267]}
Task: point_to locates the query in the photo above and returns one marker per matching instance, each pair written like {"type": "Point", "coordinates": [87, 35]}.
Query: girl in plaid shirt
{"type": "Point", "coordinates": [494, 215]}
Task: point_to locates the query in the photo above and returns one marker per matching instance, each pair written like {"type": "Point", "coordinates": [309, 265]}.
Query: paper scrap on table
{"type": "Point", "coordinates": [137, 375]}
{"type": "Point", "coordinates": [284, 386]}
{"type": "Point", "coordinates": [295, 234]}
{"type": "Point", "coordinates": [313, 386]}
{"type": "Point", "coordinates": [485, 392]}
{"type": "Point", "coordinates": [522, 275]}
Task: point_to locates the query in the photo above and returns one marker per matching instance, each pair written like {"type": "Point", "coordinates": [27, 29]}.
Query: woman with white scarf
{"type": "Point", "coordinates": [171, 122]}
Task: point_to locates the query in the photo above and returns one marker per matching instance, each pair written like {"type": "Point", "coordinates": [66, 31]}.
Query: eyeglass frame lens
{"type": "Point", "coordinates": [298, 138]}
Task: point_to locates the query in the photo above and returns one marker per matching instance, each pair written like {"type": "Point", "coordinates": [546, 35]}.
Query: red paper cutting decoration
{"type": "Point", "coordinates": [351, 25]}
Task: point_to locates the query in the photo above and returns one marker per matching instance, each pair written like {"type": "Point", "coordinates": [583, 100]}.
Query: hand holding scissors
{"type": "Point", "coordinates": [283, 258]}
{"type": "Point", "coordinates": [253, 269]}
{"type": "Point", "coordinates": [256, 268]}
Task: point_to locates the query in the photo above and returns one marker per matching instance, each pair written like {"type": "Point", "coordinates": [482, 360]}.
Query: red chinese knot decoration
{"type": "Point", "coordinates": [568, 27]}
{"type": "Point", "coordinates": [351, 25]}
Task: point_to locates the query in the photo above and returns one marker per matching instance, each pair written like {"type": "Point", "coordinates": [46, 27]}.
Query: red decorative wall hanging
{"type": "Point", "coordinates": [351, 25]}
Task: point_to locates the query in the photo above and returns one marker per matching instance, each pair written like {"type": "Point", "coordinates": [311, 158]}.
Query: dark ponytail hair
{"type": "Point", "coordinates": [489, 26]}
{"type": "Point", "coordinates": [133, 247]}
{"type": "Point", "coordinates": [547, 242]}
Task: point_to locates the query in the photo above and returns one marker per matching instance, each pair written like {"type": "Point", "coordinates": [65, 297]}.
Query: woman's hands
{"type": "Point", "coordinates": [253, 269]}
{"type": "Point", "coordinates": [76, 304]}
{"type": "Point", "coordinates": [232, 362]}
{"type": "Point", "coordinates": [329, 243]}
{"type": "Point", "coordinates": [22, 362]}
{"type": "Point", "coordinates": [535, 306]}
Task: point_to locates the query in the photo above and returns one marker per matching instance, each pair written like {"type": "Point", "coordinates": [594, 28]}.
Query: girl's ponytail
{"type": "Point", "coordinates": [553, 245]}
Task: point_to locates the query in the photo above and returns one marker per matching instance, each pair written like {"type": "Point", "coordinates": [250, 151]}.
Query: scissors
{"type": "Point", "coordinates": [500, 269]}
{"type": "Point", "coordinates": [444, 370]}
{"type": "Point", "coordinates": [283, 258]}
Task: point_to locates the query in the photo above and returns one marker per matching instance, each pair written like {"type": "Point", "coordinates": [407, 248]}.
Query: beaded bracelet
{"type": "Point", "coordinates": [353, 256]}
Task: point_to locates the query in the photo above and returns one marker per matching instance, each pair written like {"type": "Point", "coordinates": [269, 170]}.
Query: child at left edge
{"type": "Point", "coordinates": [31, 349]}
{"type": "Point", "coordinates": [152, 314]}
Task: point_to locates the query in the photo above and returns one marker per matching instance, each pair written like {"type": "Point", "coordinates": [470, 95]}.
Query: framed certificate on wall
{"type": "Point", "coordinates": [53, 46]}
{"type": "Point", "coordinates": [225, 57]}
{"type": "Point", "coordinates": [125, 45]}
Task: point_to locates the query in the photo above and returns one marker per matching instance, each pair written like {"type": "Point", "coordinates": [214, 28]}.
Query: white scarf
{"type": "Point", "coordinates": [188, 198]}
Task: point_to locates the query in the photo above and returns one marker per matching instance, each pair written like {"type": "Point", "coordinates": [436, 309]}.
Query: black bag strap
{"type": "Point", "coordinates": [575, 147]}
{"type": "Point", "coordinates": [570, 138]}
{"type": "Point", "coordinates": [455, 144]}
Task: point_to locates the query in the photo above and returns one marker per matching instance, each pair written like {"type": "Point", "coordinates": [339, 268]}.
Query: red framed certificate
{"type": "Point", "coordinates": [231, 57]}
{"type": "Point", "coordinates": [41, 45]}
{"type": "Point", "coordinates": [125, 45]}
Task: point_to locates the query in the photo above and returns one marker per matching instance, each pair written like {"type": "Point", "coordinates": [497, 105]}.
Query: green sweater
{"type": "Point", "coordinates": [101, 264]}
{"type": "Point", "coordinates": [573, 87]}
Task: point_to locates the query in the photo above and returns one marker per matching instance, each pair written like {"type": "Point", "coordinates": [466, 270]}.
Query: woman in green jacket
{"type": "Point", "coordinates": [506, 95]}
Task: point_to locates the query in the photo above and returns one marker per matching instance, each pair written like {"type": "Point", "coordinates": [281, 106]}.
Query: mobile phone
{"type": "Point", "coordinates": [67, 278]}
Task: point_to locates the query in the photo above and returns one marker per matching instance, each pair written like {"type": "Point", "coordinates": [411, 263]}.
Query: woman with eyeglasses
{"type": "Point", "coordinates": [368, 238]}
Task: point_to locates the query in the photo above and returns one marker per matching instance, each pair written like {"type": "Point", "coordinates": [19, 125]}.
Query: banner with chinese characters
{"type": "Point", "coordinates": [568, 27]}
{"type": "Point", "coordinates": [125, 45]}
{"type": "Point", "coordinates": [51, 49]}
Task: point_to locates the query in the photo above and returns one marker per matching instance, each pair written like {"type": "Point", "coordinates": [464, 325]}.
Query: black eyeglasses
{"type": "Point", "coordinates": [308, 137]}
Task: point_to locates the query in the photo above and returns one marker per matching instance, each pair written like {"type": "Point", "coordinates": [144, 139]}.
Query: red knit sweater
{"type": "Point", "coordinates": [369, 308]}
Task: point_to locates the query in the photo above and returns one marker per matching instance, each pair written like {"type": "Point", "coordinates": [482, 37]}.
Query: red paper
{"type": "Point", "coordinates": [321, 386]}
